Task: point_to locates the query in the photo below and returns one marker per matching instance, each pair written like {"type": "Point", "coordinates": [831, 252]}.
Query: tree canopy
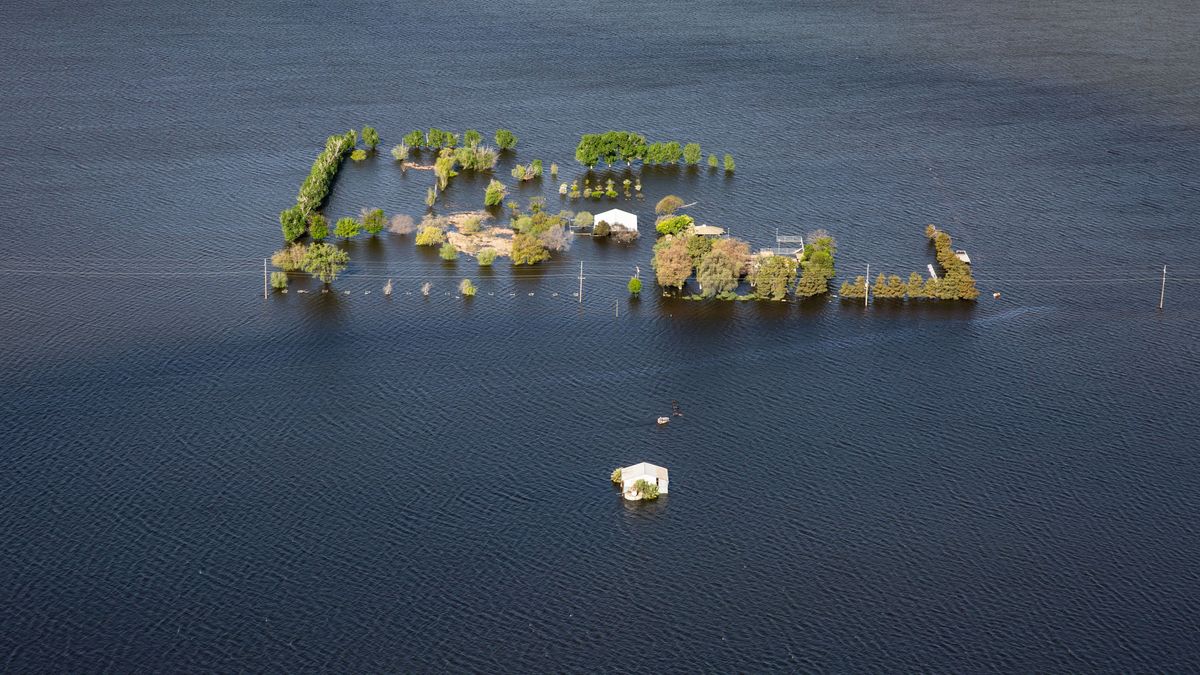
{"type": "Point", "coordinates": [668, 205]}
{"type": "Point", "coordinates": [672, 264]}
{"type": "Point", "coordinates": [673, 224]}
{"type": "Point", "coordinates": [325, 262]}
{"type": "Point", "coordinates": [346, 228]}
{"type": "Point", "coordinates": [370, 137]}
{"type": "Point", "coordinates": [291, 221]}
{"type": "Point", "coordinates": [505, 139]}
{"type": "Point", "coordinates": [527, 249]}
{"type": "Point", "coordinates": [774, 277]}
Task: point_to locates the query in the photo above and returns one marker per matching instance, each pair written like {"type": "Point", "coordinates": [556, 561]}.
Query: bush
{"type": "Point", "coordinates": [583, 219]}
{"type": "Point", "coordinates": [471, 225]}
{"type": "Point", "coordinates": [448, 252]}
{"type": "Point", "coordinates": [729, 165]}
{"type": "Point", "coordinates": [647, 489]}
{"type": "Point", "coordinates": [346, 228]}
{"type": "Point", "coordinates": [279, 280]}
{"type": "Point", "coordinates": [712, 161]}
{"type": "Point", "coordinates": [616, 476]}
{"type": "Point", "coordinates": [358, 155]}
{"type": "Point", "coordinates": [601, 229]}
{"type": "Point", "coordinates": [430, 235]}
{"type": "Point", "coordinates": [486, 257]}
{"type": "Point", "coordinates": [318, 227]}
{"type": "Point", "coordinates": [290, 258]}
{"type": "Point", "coordinates": [673, 224]}
{"type": "Point", "coordinates": [634, 286]}
{"type": "Point", "coordinates": [373, 221]}
{"type": "Point", "coordinates": [400, 152]}
{"type": "Point", "coordinates": [401, 224]}
{"type": "Point", "coordinates": [414, 139]}
{"type": "Point", "coordinates": [623, 236]}
{"type": "Point", "coordinates": [692, 154]}
{"type": "Point", "coordinates": [505, 139]}
{"type": "Point", "coordinates": [472, 138]}
{"type": "Point", "coordinates": [495, 193]}
{"type": "Point", "coordinates": [466, 288]}
{"type": "Point", "coordinates": [291, 222]}
{"type": "Point", "coordinates": [370, 137]}
{"type": "Point", "coordinates": [668, 205]}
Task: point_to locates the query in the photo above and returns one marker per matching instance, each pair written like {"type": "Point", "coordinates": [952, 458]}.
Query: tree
{"type": "Point", "coordinates": [535, 167]}
{"type": "Point", "coordinates": [346, 228]}
{"type": "Point", "coordinates": [373, 221]}
{"type": "Point", "coordinates": [518, 172]}
{"type": "Point", "coordinates": [583, 219]}
{"type": "Point", "coordinates": [601, 229]}
{"type": "Point", "coordinates": [415, 138]}
{"type": "Point", "coordinates": [401, 224]}
{"type": "Point", "coordinates": [370, 137]}
{"type": "Point", "coordinates": [729, 165]}
{"type": "Point", "coordinates": [672, 264]}
{"type": "Point", "coordinates": [472, 138]}
{"type": "Point", "coordinates": [673, 224]}
{"type": "Point", "coordinates": [718, 272]}
{"type": "Point", "coordinates": [466, 288]}
{"type": "Point", "coordinates": [528, 250]}
{"type": "Point", "coordinates": [634, 286]}
{"type": "Point", "coordinates": [430, 235]}
{"type": "Point", "coordinates": [692, 154]}
{"type": "Point", "coordinates": [858, 289]}
{"type": "Point", "coordinates": [291, 221]}
{"type": "Point", "coordinates": [712, 161]}
{"type": "Point", "coordinates": [400, 152]}
{"type": "Point", "coordinates": [774, 277]}
{"type": "Point", "coordinates": [289, 259]}
{"type": "Point", "coordinates": [443, 168]}
{"type": "Point", "coordinates": [556, 238]}
{"type": "Point", "coordinates": [325, 262]}
{"type": "Point", "coordinates": [916, 286]}
{"type": "Point", "coordinates": [698, 247]}
{"type": "Point", "coordinates": [486, 257]}
{"type": "Point", "coordinates": [279, 280]}
{"type": "Point", "coordinates": [505, 139]}
{"type": "Point", "coordinates": [495, 193]}
{"type": "Point", "coordinates": [737, 249]}
{"type": "Point", "coordinates": [668, 205]}
{"type": "Point", "coordinates": [448, 252]}
{"type": "Point", "coordinates": [318, 227]}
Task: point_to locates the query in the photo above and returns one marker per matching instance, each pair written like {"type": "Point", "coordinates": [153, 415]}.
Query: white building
{"type": "Point", "coordinates": [655, 475]}
{"type": "Point", "coordinates": [617, 219]}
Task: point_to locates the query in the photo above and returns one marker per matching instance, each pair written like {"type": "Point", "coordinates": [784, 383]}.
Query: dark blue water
{"type": "Point", "coordinates": [193, 478]}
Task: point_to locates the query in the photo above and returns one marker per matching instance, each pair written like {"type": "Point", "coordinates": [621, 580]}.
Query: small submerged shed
{"type": "Point", "coordinates": [708, 230]}
{"type": "Point", "coordinates": [651, 473]}
{"type": "Point", "coordinates": [617, 219]}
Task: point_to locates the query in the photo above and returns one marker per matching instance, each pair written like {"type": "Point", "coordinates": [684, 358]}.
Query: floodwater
{"type": "Point", "coordinates": [193, 478]}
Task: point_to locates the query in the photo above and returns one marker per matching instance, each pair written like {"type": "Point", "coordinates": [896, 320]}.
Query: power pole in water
{"type": "Point", "coordinates": [264, 278]}
{"type": "Point", "coordinates": [867, 286]}
{"type": "Point", "coordinates": [581, 282]}
{"type": "Point", "coordinates": [1162, 294]}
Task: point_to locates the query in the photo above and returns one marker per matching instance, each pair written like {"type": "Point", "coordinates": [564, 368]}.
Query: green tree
{"type": "Point", "coordinates": [486, 257]}
{"type": "Point", "coordinates": [318, 227]}
{"type": "Point", "coordinates": [448, 252]}
{"type": "Point", "coordinates": [370, 137]}
{"type": "Point", "coordinates": [774, 277]}
{"type": "Point", "coordinates": [916, 287]}
{"type": "Point", "coordinates": [583, 219]}
{"type": "Point", "coordinates": [729, 165]}
{"type": "Point", "coordinates": [535, 167]}
{"type": "Point", "coordinates": [634, 286]}
{"type": "Point", "coordinates": [672, 264]}
{"type": "Point", "coordinates": [527, 249]}
{"type": "Point", "coordinates": [718, 272]}
{"type": "Point", "coordinates": [858, 289]}
{"type": "Point", "coordinates": [505, 139]}
{"type": "Point", "coordinates": [346, 228]}
{"type": "Point", "coordinates": [673, 224]}
{"type": "Point", "coordinates": [443, 168]}
{"type": "Point", "coordinates": [374, 221]}
{"type": "Point", "coordinates": [279, 280]}
{"type": "Point", "coordinates": [601, 229]}
{"type": "Point", "coordinates": [430, 235]}
{"type": "Point", "coordinates": [466, 288]}
{"type": "Point", "coordinates": [325, 262]}
{"type": "Point", "coordinates": [358, 155]}
{"type": "Point", "coordinates": [415, 138]}
{"type": "Point", "coordinates": [692, 154]}
{"type": "Point", "coordinates": [291, 221]}
{"type": "Point", "coordinates": [712, 161]}
{"type": "Point", "coordinates": [668, 205]}
{"type": "Point", "coordinates": [698, 247]}
{"type": "Point", "coordinates": [495, 193]}
{"type": "Point", "coordinates": [472, 138]}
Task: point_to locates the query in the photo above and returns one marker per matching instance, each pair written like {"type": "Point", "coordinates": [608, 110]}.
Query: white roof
{"type": "Point", "coordinates": [617, 217]}
{"type": "Point", "coordinates": [643, 469]}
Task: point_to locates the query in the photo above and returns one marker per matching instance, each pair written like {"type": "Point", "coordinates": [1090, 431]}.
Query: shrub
{"type": "Point", "coordinates": [692, 154]}
{"type": "Point", "coordinates": [634, 286]}
{"type": "Point", "coordinates": [472, 138]}
{"type": "Point", "coordinates": [448, 252]}
{"type": "Point", "coordinates": [291, 222]}
{"type": "Point", "coordinates": [729, 165]}
{"type": "Point", "coordinates": [370, 137]}
{"type": "Point", "coordinates": [358, 155]}
{"type": "Point", "coordinates": [346, 228]}
{"type": "Point", "coordinates": [505, 139]}
{"type": "Point", "coordinates": [583, 219]}
{"type": "Point", "coordinates": [373, 221]}
{"type": "Point", "coordinates": [279, 280]}
{"type": "Point", "coordinates": [601, 229]}
{"type": "Point", "coordinates": [673, 224]}
{"type": "Point", "coordinates": [471, 225]}
{"type": "Point", "coordinates": [712, 161]}
{"type": "Point", "coordinates": [400, 152]}
{"type": "Point", "coordinates": [431, 196]}
{"type": "Point", "coordinates": [647, 489]}
{"type": "Point", "coordinates": [318, 227]}
{"type": "Point", "coordinates": [325, 262]}
{"type": "Point", "coordinates": [290, 258]}
{"type": "Point", "coordinates": [466, 288]}
{"type": "Point", "coordinates": [401, 224]}
{"type": "Point", "coordinates": [495, 193]}
{"type": "Point", "coordinates": [616, 476]}
{"type": "Point", "coordinates": [668, 205]}
{"type": "Point", "coordinates": [623, 236]}
{"type": "Point", "coordinates": [553, 170]}
{"type": "Point", "coordinates": [316, 186]}
{"type": "Point", "coordinates": [535, 167]}
{"type": "Point", "coordinates": [518, 172]}
{"type": "Point", "coordinates": [486, 257]}
{"type": "Point", "coordinates": [430, 235]}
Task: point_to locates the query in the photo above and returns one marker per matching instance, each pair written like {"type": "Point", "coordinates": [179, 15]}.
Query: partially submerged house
{"type": "Point", "coordinates": [651, 473]}
{"type": "Point", "coordinates": [617, 219]}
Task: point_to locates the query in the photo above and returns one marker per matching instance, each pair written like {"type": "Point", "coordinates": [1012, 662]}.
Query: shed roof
{"type": "Point", "coordinates": [708, 230]}
{"type": "Point", "coordinates": [643, 469]}
{"type": "Point", "coordinates": [614, 213]}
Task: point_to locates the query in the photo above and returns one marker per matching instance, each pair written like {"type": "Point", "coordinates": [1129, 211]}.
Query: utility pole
{"type": "Point", "coordinates": [1162, 294]}
{"type": "Point", "coordinates": [581, 282]}
{"type": "Point", "coordinates": [867, 286]}
{"type": "Point", "coordinates": [264, 278]}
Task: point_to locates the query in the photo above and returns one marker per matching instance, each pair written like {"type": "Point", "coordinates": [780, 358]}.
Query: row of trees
{"type": "Point", "coordinates": [315, 188]}
{"type": "Point", "coordinates": [437, 139]}
{"type": "Point", "coordinates": [612, 147]}
{"type": "Point", "coordinates": [720, 265]}
{"type": "Point", "coordinates": [956, 283]}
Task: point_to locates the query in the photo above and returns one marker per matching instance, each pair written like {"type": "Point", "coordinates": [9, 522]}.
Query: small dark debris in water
{"type": "Point", "coordinates": [675, 410]}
